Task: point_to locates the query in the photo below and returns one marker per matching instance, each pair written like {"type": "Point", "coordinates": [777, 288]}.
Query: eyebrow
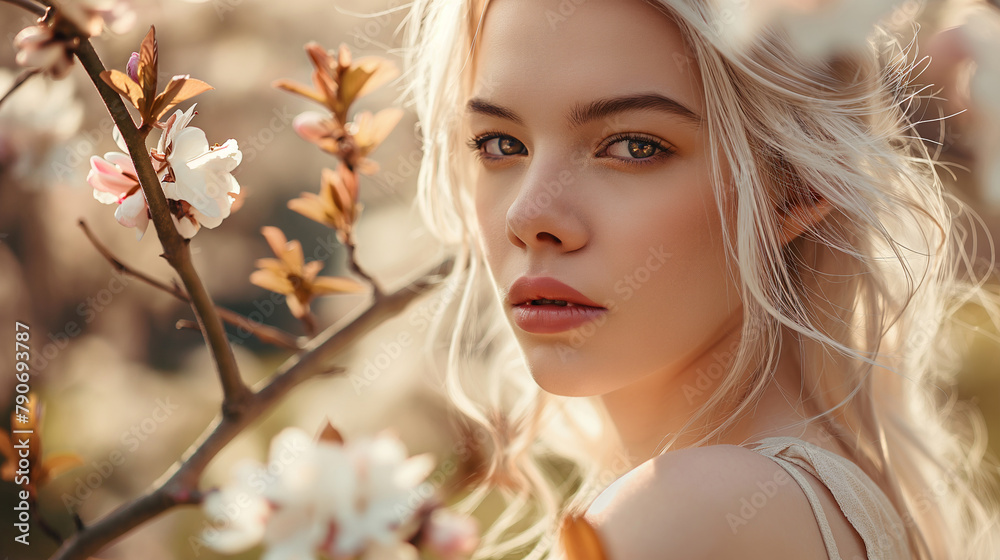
{"type": "Point", "coordinates": [582, 114]}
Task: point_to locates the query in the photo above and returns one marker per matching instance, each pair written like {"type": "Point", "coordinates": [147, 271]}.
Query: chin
{"type": "Point", "coordinates": [562, 370]}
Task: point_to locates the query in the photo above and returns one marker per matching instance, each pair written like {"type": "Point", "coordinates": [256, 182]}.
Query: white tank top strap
{"type": "Point", "coordinates": [863, 503]}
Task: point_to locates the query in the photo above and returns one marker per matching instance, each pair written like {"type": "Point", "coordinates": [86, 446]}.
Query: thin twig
{"type": "Point", "coordinates": [175, 248]}
{"type": "Point", "coordinates": [21, 78]}
{"type": "Point", "coordinates": [36, 514]}
{"type": "Point", "coordinates": [179, 485]}
{"type": "Point", "coordinates": [263, 332]}
{"type": "Point", "coordinates": [356, 268]}
{"type": "Point", "coordinates": [309, 323]}
{"type": "Point", "coordinates": [32, 7]}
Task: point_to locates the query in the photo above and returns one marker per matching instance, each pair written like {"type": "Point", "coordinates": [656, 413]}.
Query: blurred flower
{"type": "Point", "coordinates": [449, 536]}
{"type": "Point", "coordinates": [27, 418]}
{"type": "Point", "coordinates": [981, 32]}
{"type": "Point", "coordinates": [42, 48]}
{"type": "Point", "coordinates": [816, 27]}
{"type": "Point", "coordinates": [48, 46]}
{"type": "Point", "coordinates": [289, 274]}
{"type": "Point", "coordinates": [91, 16]}
{"type": "Point", "coordinates": [352, 142]}
{"type": "Point", "coordinates": [340, 81]}
{"type": "Point", "coordinates": [336, 205]}
{"type": "Point", "coordinates": [36, 123]}
{"type": "Point", "coordinates": [322, 497]}
{"type": "Point", "coordinates": [368, 132]}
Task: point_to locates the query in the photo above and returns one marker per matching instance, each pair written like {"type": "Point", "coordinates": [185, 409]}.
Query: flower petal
{"type": "Point", "coordinates": [268, 280]}
{"type": "Point", "coordinates": [117, 136]}
{"type": "Point", "coordinates": [130, 210]}
{"type": "Point", "coordinates": [309, 205]}
{"type": "Point", "coordinates": [275, 238]}
{"type": "Point", "coordinates": [336, 285]}
{"type": "Point", "coordinates": [315, 127]}
{"type": "Point", "coordinates": [186, 226]}
{"type": "Point", "coordinates": [176, 123]}
{"type": "Point", "coordinates": [239, 510]}
{"type": "Point", "coordinates": [108, 181]}
{"type": "Point", "coordinates": [224, 158]}
{"type": "Point", "coordinates": [298, 308]}
{"type": "Point", "coordinates": [141, 224]}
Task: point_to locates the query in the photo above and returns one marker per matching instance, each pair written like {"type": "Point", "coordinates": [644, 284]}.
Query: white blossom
{"type": "Point", "coordinates": [816, 28]}
{"type": "Point", "coordinates": [196, 178]}
{"type": "Point", "coordinates": [200, 175]}
{"type": "Point", "coordinates": [37, 123]}
{"type": "Point", "coordinates": [322, 497]}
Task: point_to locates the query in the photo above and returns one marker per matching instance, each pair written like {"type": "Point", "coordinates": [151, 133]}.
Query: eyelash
{"type": "Point", "coordinates": [476, 145]}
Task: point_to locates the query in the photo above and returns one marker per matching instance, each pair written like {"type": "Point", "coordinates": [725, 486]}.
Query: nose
{"type": "Point", "coordinates": [544, 214]}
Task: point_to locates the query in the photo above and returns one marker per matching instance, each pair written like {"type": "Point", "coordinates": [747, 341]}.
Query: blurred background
{"type": "Point", "coordinates": [122, 383]}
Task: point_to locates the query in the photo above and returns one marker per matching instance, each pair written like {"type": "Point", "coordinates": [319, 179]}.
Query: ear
{"type": "Point", "coordinates": [802, 216]}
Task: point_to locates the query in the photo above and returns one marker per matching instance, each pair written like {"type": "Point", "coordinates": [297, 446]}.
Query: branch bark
{"type": "Point", "coordinates": [19, 81]}
{"type": "Point", "coordinates": [179, 486]}
{"type": "Point", "coordinates": [175, 248]}
{"type": "Point", "coordinates": [241, 406]}
{"type": "Point", "coordinates": [265, 333]}
{"type": "Point", "coordinates": [32, 7]}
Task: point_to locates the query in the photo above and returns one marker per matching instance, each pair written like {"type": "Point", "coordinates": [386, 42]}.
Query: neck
{"type": "Point", "coordinates": [649, 413]}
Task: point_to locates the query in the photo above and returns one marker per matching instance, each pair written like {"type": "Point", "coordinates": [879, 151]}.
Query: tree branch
{"type": "Point", "coordinates": [263, 332]}
{"type": "Point", "coordinates": [32, 7]}
{"type": "Point", "coordinates": [175, 248]}
{"type": "Point", "coordinates": [179, 486]}
{"type": "Point", "coordinates": [21, 78]}
{"type": "Point", "coordinates": [356, 268]}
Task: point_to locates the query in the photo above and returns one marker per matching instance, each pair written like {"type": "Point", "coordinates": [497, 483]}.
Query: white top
{"type": "Point", "coordinates": [864, 504]}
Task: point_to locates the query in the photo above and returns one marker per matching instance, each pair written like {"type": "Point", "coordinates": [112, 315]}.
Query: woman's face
{"type": "Point", "coordinates": [592, 170]}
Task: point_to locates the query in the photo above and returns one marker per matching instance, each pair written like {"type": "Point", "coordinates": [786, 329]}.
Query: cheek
{"type": "Point", "coordinates": [491, 220]}
{"type": "Point", "coordinates": [672, 285]}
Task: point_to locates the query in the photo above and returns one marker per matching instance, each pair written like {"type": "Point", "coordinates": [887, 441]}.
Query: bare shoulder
{"type": "Point", "coordinates": [719, 501]}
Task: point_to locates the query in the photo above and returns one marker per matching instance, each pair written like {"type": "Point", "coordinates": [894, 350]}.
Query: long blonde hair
{"type": "Point", "coordinates": [869, 295]}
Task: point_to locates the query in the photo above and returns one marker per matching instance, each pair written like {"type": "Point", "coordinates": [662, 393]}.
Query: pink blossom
{"type": "Point", "coordinates": [316, 127]}
{"type": "Point", "coordinates": [115, 181]}
{"type": "Point", "coordinates": [132, 68]}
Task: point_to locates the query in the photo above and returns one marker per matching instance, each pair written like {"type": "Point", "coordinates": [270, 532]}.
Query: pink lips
{"type": "Point", "coordinates": [550, 317]}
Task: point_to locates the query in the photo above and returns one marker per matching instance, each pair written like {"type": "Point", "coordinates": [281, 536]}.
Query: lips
{"type": "Point", "coordinates": [543, 290]}
{"type": "Point", "coordinates": [545, 305]}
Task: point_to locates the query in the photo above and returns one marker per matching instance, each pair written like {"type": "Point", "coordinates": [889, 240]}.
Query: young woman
{"type": "Point", "coordinates": [722, 274]}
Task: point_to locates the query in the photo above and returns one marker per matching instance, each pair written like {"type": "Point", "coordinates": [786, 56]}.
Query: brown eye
{"type": "Point", "coordinates": [632, 149]}
{"type": "Point", "coordinates": [503, 146]}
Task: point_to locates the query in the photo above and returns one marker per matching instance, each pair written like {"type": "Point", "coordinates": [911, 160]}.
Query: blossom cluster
{"type": "Point", "coordinates": [196, 178]}
{"type": "Point", "coordinates": [48, 45]}
{"type": "Point", "coordinates": [324, 497]}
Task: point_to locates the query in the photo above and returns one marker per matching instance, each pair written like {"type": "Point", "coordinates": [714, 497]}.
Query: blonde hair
{"type": "Point", "coordinates": [869, 294]}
